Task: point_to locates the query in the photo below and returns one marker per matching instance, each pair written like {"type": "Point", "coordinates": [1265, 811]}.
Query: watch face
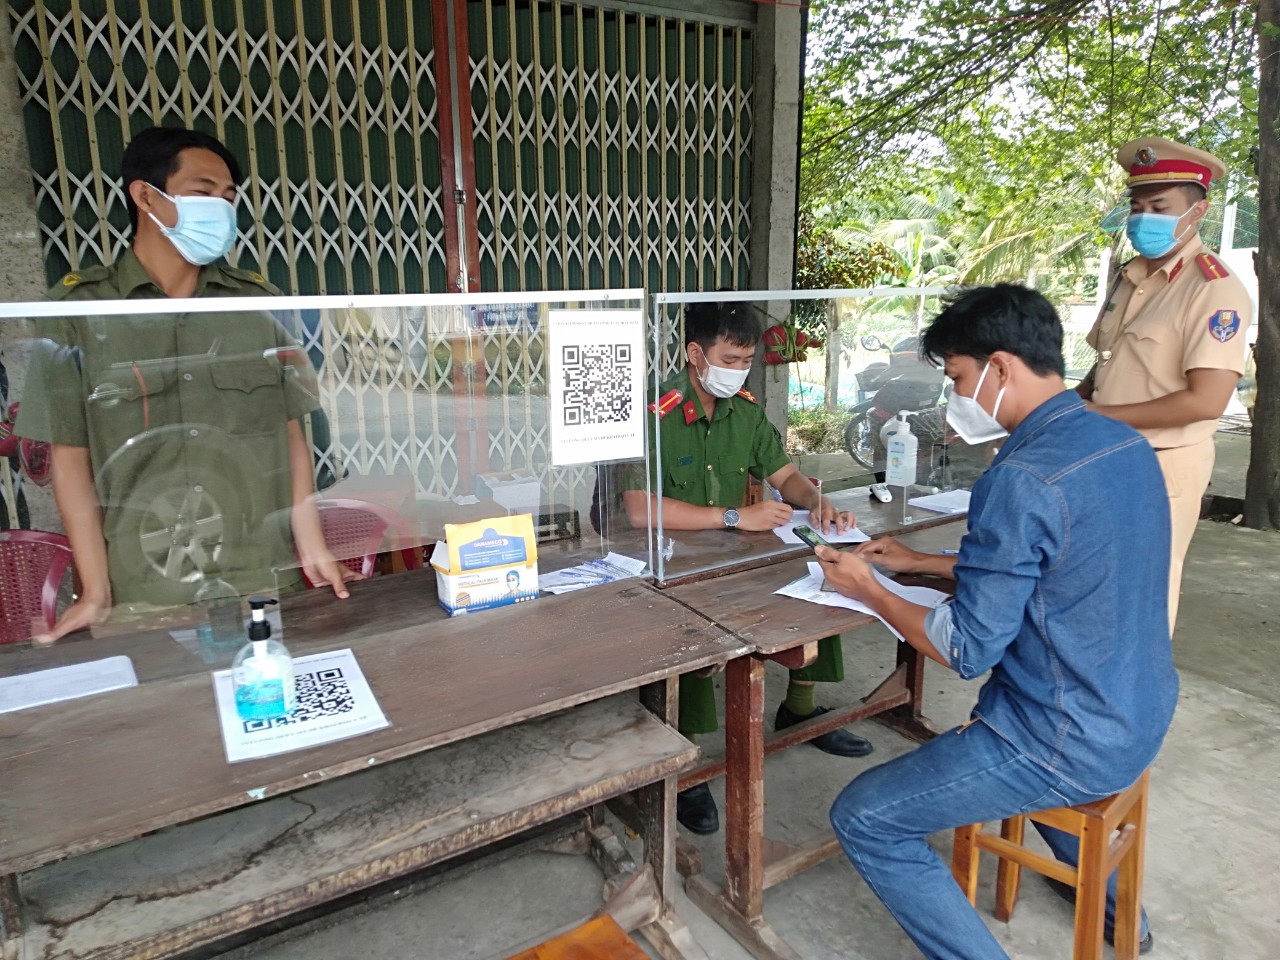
{"type": "Point", "coordinates": [731, 518]}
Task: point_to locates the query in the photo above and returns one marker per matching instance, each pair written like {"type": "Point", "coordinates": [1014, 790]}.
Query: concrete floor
{"type": "Point", "coordinates": [1211, 859]}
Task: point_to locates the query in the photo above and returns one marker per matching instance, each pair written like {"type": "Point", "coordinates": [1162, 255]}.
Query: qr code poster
{"type": "Point", "coordinates": [595, 379]}
{"type": "Point", "coordinates": [334, 702]}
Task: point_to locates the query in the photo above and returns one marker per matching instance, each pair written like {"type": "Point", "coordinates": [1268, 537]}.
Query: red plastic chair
{"type": "Point", "coordinates": [355, 530]}
{"type": "Point", "coordinates": [32, 565]}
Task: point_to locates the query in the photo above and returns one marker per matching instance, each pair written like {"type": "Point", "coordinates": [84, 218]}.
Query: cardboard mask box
{"type": "Point", "coordinates": [486, 564]}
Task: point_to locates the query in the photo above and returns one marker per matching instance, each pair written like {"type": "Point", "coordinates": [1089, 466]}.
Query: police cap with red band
{"type": "Point", "coordinates": [1156, 160]}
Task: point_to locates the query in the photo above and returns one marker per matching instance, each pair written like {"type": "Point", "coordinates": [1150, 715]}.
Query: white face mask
{"type": "Point", "coordinates": [205, 230]}
{"type": "Point", "coordinates": [722, 382]}
{"type": "Point", "coordinates": [967, 418]}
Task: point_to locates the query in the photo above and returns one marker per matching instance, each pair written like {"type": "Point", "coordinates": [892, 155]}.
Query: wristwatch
{"type": "Point", "coordinates": [731, 518]}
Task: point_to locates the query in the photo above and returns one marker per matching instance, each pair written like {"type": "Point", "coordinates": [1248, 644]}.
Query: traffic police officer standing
{"type": "Point", "coordinates": [133, 404]}
{"type": "Point", "coordinates": [713, 437]}
{"type": "Point", "coordinates": [1171, 338]}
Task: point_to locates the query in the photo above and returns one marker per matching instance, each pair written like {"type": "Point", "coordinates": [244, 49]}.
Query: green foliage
{"type": "Point", "coordinates": [826, 261]}
{"type": "Point", "coordinates": [980, 135]}
{"type": "Point", "coordinates": [813, 431]}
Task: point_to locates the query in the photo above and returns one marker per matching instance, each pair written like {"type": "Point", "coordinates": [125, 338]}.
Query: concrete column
{"type": "Point", "coordinates": [778, 96]}
{"type": "Point", "coordinates": [23, 277]}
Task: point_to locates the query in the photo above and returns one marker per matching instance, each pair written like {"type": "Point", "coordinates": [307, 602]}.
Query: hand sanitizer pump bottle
{"type": "Point", "coordinates": [900, 471]}
{"type": "Point", "coordinates": [262, 673]}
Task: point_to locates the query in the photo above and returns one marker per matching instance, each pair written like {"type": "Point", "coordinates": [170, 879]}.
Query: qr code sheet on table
{"type": "Point", "coordinates": [320, 693]}
{"type": "Point", "coordinates": [597, 383]}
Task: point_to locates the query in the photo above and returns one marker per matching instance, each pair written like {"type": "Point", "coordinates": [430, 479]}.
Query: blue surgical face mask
{"type": "Point", "coordinates": [1154, 234]}
{"type": "Point", "coordinates": [205, 229]}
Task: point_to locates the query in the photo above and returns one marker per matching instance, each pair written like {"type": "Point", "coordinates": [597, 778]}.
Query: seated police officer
{"type": "Point", "coordinates": [177, 447]}
{"type": "Point", "coordinates": [713, 436]}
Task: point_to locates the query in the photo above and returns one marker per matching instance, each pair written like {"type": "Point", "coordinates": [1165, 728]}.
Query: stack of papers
{"type": "Point", "coordinates": [952, 501]}
{"type": "Point", "coordinates": [612, 567]}
{"type": "Point", "coordinates": [810, 588]}
{"type": "Point", "coordinates": [787, 532]}
{"type": "Point", "coordinates": [66, 683]}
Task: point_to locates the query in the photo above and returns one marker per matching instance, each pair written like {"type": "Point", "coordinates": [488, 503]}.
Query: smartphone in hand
{"type": "Point", "coordinates": [811, 536]}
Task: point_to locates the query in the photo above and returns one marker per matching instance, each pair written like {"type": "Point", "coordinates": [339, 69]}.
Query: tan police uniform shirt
{"type": "Point", "coordinates": [1192, 313]}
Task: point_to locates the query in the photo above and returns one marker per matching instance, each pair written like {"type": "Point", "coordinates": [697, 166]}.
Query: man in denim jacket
{"type": "Point", "coordinates": [1061, 593]}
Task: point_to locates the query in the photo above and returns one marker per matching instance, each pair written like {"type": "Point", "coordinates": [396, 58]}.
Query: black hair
{"type": "Point", "coordinates": [705, 323]}
{"type": "Point", "coordinates": [978, 321]}
{"type": "Point", "coordinates": [152, 156]}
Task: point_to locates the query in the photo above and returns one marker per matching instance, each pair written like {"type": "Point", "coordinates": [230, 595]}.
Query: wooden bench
{"type": "Point", "coordinates": [205, 880]}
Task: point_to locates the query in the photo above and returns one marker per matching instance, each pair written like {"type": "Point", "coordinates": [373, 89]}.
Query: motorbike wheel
{"type": "Point", "coordinates": [860, 440]}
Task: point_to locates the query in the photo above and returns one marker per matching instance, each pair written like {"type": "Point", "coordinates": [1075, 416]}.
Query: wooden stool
{"type": "Point", "coordinates": [1124, 815]}
{"type": "Point", "coordinates": [598, 939]}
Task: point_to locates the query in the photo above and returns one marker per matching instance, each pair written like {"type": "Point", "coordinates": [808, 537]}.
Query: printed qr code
{"type": "Point", "coordinates": [597, 383]}
{"type": "Point", "coordinates": [321, 693]}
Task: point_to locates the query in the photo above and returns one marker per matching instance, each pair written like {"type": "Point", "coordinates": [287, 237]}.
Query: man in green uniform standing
{"type": "Point", "coordinates": [178, 452]}
{"type": "Point", "coordinates": [713, 437]}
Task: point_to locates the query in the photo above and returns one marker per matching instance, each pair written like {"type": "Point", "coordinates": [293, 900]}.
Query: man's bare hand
{"type": "Point", "coordinates": [764, 515]}
{"type": "Point", "coordinates": [889, 553]}
{"type": "Point", "coordinates": [850, 575]}
{"type": "Point", "coordinates": [827, 519]}
{"type": "Point", "coordinates": [84, 613]}
{"type": "Point", "coordinates": [323, 568]}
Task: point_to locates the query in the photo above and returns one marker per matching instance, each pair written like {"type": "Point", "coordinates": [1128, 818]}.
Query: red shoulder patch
{"type": "Point", "coordinates": [1211, 267]}
{"type": "Point", "coordinates": [747, 395]}
{"type": "Point", "coordinates": [666, 403]}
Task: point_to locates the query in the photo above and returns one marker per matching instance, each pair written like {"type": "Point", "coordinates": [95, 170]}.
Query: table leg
{"type": "Point", "coordinates": [10, 917]}
{"type": "Point", "coordinates": [657, 802]}
{"type": "Point", "coordinates": [909, 719]}
{"type": "Point", "coordinates": [739, 907]}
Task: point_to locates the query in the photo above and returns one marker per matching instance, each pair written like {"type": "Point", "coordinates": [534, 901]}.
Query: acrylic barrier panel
{"type": "Point", "coordinates": [291, 448]}
{"type": "Point", "coordinates": [829, 376]}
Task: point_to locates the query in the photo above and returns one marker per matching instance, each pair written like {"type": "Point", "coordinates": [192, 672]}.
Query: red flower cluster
{"type": "Point", "coordinates": [783, 344]}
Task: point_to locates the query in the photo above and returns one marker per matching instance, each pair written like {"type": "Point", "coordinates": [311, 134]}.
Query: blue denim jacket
{"type": "Point", "coordinates": [1062, 593]}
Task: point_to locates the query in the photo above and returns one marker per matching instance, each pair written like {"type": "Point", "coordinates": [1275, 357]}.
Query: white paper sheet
{"type": "Point", "coordinates": [809, 588]}
{"type": "Point", "coordinates": [595, 385]}
{"type": "Point", "coordinates": [334, 702]}
{"type": "Point", "coordinates": [950, 501]}
{"type": "Point", "coordinates": [65, 683]}
{"type": "Point", "coordinates": [787, 532]}
{"type": "Point", "coordinates": [614, 566]}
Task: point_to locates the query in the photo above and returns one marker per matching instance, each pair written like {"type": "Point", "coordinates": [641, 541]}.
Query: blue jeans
{"type": "Point", "coordinates": [967, 775]}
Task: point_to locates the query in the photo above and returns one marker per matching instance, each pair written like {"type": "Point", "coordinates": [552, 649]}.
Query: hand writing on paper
{"type": "Point", "coordinates": [764, 515]}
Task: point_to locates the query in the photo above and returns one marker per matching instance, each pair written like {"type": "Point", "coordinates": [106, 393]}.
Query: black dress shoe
{"type": "Point", "coordinates": [838, 743]}
{"type": "Point", "coordinates": [1068, 893]}
{"type": "Point", "coordinates": [696, 810]}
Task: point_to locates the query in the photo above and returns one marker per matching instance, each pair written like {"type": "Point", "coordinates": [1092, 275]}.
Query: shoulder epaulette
{"type": "Point", "coordinates": [1211, 267]}
{"type": "Point", "coordinates": [251, 276]}
{"type": "Point", "coordinates": [747, 395]}
{"type": "Point", "coordinates": [666, 403]}
{"type": "Point", "coordinates": [74, 279]}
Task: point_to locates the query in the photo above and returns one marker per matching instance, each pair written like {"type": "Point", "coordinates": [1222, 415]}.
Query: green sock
{"type": "Point", "coordinates": [801, 698]}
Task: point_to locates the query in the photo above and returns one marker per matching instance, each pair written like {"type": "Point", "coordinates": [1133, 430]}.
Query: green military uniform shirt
{"type": "Point", "coordinates": [185, 416]}
{"type": "Point", "coordinates": [706, 462]}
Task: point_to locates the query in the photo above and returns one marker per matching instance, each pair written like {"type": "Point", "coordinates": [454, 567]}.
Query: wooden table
{"type": "Point", "coordinates": [787, 631]}
{"type": "Point", "coordinates": [702, 554]}
{"type": "Point", "coordinates": [85, 775]}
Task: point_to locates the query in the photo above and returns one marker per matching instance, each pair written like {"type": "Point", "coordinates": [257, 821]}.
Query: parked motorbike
{"type": "Point", "coordinates": [905, 382]}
